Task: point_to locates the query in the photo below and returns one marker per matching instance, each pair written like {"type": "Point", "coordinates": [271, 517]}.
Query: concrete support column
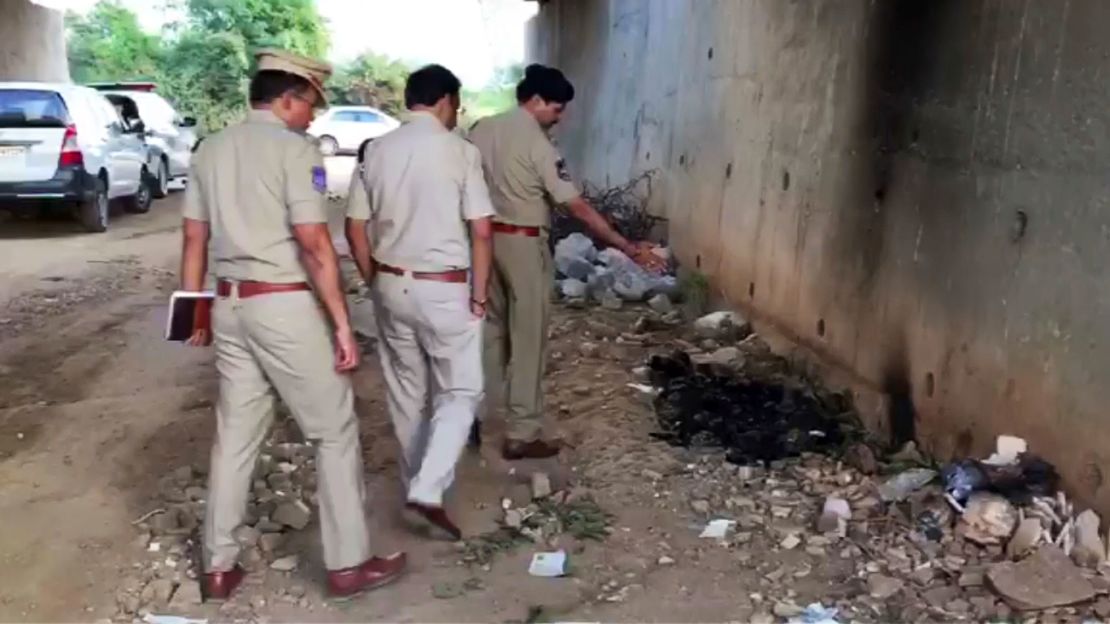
{"type": "Point", "coordinates": [32, 43]}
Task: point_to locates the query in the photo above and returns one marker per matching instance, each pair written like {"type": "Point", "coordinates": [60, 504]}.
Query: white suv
{"type": "Point", "coordinates": [166, 129]}
{"type": "Point", "coordinates": [65, 145]}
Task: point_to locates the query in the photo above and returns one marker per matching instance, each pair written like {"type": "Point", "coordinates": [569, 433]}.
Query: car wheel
{"type": "Point", "coordinates": [93, 212]}
{"type": "Point", "coordinates": [328, 146]}
{"type": "Point", "coordinates": [162, 181]}
{"type": "Point", "coordinates": [139, 203]}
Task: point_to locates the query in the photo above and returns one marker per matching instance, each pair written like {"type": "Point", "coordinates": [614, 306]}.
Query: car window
{"type": "Point", "coordinates": [152, 108]}
{"type": "Point", "coordinates": [345, 116]}
{"type": "Point", "coordinates": [369, 117]}
{"type": "Point", "coordinates": [107, 111]}
{"type": "Point", "coordinates": [21, 108]}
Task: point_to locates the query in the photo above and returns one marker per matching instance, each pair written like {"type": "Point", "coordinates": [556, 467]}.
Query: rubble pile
{"type": "Point", "coordinates": [282, 497]}
{"type": "Point", "coordinates": [606, 277]}
{"type": "Point", "coordinates": [976, 540]}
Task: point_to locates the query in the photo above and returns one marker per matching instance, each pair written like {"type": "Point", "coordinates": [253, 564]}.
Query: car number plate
{"type": "Point", "coordinates": [11, 151]}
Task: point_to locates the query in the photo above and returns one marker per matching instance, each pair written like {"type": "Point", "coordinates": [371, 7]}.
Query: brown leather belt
{"type": "Point", "coordinates": [523, 230]}
{"type": "Point", "coordinates": [224, 288]}
{"type": "Point", "coordinates": [457, 276]}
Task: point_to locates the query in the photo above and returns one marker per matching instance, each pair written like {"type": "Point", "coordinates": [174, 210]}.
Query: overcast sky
{"type": "Point", "coordinates": [471, 37]}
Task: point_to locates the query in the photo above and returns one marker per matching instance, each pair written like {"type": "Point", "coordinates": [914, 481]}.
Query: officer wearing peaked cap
{"type": "Point", "coordinates": [280, 320]}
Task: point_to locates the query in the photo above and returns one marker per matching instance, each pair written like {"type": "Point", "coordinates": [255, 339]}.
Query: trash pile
{"type": "Point", "coordinates": [606, 277]}
{"type": "Point", "coordinates": [282, 496]}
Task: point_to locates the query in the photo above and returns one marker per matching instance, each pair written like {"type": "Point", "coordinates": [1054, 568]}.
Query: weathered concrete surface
{"type": "Point", "coordinates": [915, 189]}
{"type": "Point", "coordinates": [32, 43]}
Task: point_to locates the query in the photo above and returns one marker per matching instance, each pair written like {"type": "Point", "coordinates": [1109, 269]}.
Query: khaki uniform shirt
{"type": "Point", "coordinates": [524, 171]}
{"type": "Point", "coordinates": [252, 182]}
{"type": "Point", "coordinates": [418, 186]}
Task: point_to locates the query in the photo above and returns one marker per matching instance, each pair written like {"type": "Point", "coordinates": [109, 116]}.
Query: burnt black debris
{"type": "Point", "coordinates": [755, 419]}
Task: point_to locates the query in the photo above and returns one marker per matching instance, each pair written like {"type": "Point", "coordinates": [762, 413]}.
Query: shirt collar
{"type": "Point", "coordinates": [424, 118]}
{"type": "Point", "coordinates": [263, 115]}
{"type": "Point", "coordinates": [527, 117]}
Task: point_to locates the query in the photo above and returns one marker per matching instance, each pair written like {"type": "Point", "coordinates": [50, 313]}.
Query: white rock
{"type": "Point", "coordinates": [1089, 550]}
{"type": "Point", "coordinates": [285, 564]}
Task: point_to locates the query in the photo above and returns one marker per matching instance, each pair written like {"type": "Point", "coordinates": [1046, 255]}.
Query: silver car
{"type": "Point", "coordinates": [166, 129]}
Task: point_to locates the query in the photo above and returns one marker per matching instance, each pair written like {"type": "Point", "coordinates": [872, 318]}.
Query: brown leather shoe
{"type": "Point", "coordinates": [373, 573]}
{"type": "Point", "coordinates": [217, 586]}
{"type": "Point", "coordinates": [432, 519]}
{"type": "Point", "coordinates": [536, 449]}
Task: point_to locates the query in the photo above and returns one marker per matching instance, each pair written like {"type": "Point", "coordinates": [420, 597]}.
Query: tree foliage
{"type": "Point", "coordinates": [109, 43]}
{"type": "Point", "coordinates": [373, 80]}
{"type": "Point", "coordinates": [202, 64]}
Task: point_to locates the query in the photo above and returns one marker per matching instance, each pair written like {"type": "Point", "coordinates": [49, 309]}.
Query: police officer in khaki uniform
{"type": "Point", "coordinates": [526, 175]}
{"type": "Point", "coordinates": [418, 223]}
{"type": "Point", "coordinates": [256, 193]}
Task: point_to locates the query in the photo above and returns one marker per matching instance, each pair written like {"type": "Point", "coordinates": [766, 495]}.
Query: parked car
{"type": "Point", "coordinates": [166, 129]}
{"type": "Point", "coordinates": [65, 145]}
{"type": "Point", "coordinates": [344, 129]}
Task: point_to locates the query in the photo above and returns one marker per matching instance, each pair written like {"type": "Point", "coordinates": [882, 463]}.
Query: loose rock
{"type": "Point", "coordinates": [882, 587]}
{"type": "Point", "coordinates": [541, 485]}
{"type": "Point", "coordinates": [187, 596]}
{"type": "Point", "coordinates": [589, 349]}
{"type": "Point", "coordinates": [285, 564]}
{"type": "Point", "coordinates": [1089, 551]}
{"type": "Point", "coordinates": [834, 516]}
{"type": "Point", "coordinates": [294, 514]}
{"type": "Point", "coordinates": [270, 542]}
{"type": "Point", "coordinates": [661, 303]}
{"type": "Point", "coordinates": [988, 519]}
{"type": "Point", "coordinates": [157, 593]}
{"type": "Point", "coordinates": [246, 536]}
{"type": "Point", "coordinates": [1027, 535]}
{"type": "Point", "coordinates": [700, 506]}
{"type": "Point", "coordinates": [862, 458]}
{"type": "Point", "coordinates": [1046, 579]}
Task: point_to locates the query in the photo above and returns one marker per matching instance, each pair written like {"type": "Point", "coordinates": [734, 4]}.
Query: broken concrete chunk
{"type": "Point", "coordinates": [157, 593]}
{"type": "Point", "coordinates": [834, 516]}
{"type": "Point", "coordinates": [723, 325]}
{"type": "Point", "coordinates": [727, 356]}
{"type": "Point", "coordinates": [988, 519]}
{"type": "Point", "coordinates": [285, 564]}
{"type": "Point", "coordinates": [246, 536]}
{"type": "Point", "coordinates": [900, 486]}
{"type": "Point", "coordinates": [1089, 551]}
{"type": "Point", "coordinates": [862, 458]}
{"type": "Point", "coordinates": [1046, 579]}
{"type": "Point", "coordinates": [661, 303]}
{"type": "Point", "coordinates": [882, 587]}
{"type": "Point", "coordinates": [270, 542]}
{"type": "Point", "coordinates": [293, 514]}
{"type": "Point", "coordinates": [1027, 535]}
{"type": "Point", "coordinates": [589, 349]}
{"type": "Point", "coordinates": [541, 485]}
{"type": "Point", "coordinates": [186, 596]}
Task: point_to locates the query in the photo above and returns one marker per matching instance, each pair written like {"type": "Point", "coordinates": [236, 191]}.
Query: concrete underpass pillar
{"type": "Point", "coordinates": [32, 42]}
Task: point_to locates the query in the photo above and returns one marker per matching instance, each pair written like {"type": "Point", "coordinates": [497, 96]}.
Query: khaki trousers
{"type": "Point", "coordinates": [282, 342]}
{"type": "Point", "coordinates": [431, 354]}
{"type": "Point", "coordinates": [515, 350]}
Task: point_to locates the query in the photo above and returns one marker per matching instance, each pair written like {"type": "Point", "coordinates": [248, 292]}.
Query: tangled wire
{"type": "Point", "coordinates": [625, 207]}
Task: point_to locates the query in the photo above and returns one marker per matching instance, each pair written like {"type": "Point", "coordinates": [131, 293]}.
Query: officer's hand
{"type": "Point", "coordinates": [200, 338]}
{"type": "Point", "coordinates": [646, 257]}
{"type": "Point", "coordinates": [346, 351]}
{"type": "Point", "coordinates": [477, 310]}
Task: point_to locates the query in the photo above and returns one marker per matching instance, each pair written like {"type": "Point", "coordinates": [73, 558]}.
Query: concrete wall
{"type": "Point", "coordinates": [32, 43]}
{"type": "Point", "coordinates": [917, 190]}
